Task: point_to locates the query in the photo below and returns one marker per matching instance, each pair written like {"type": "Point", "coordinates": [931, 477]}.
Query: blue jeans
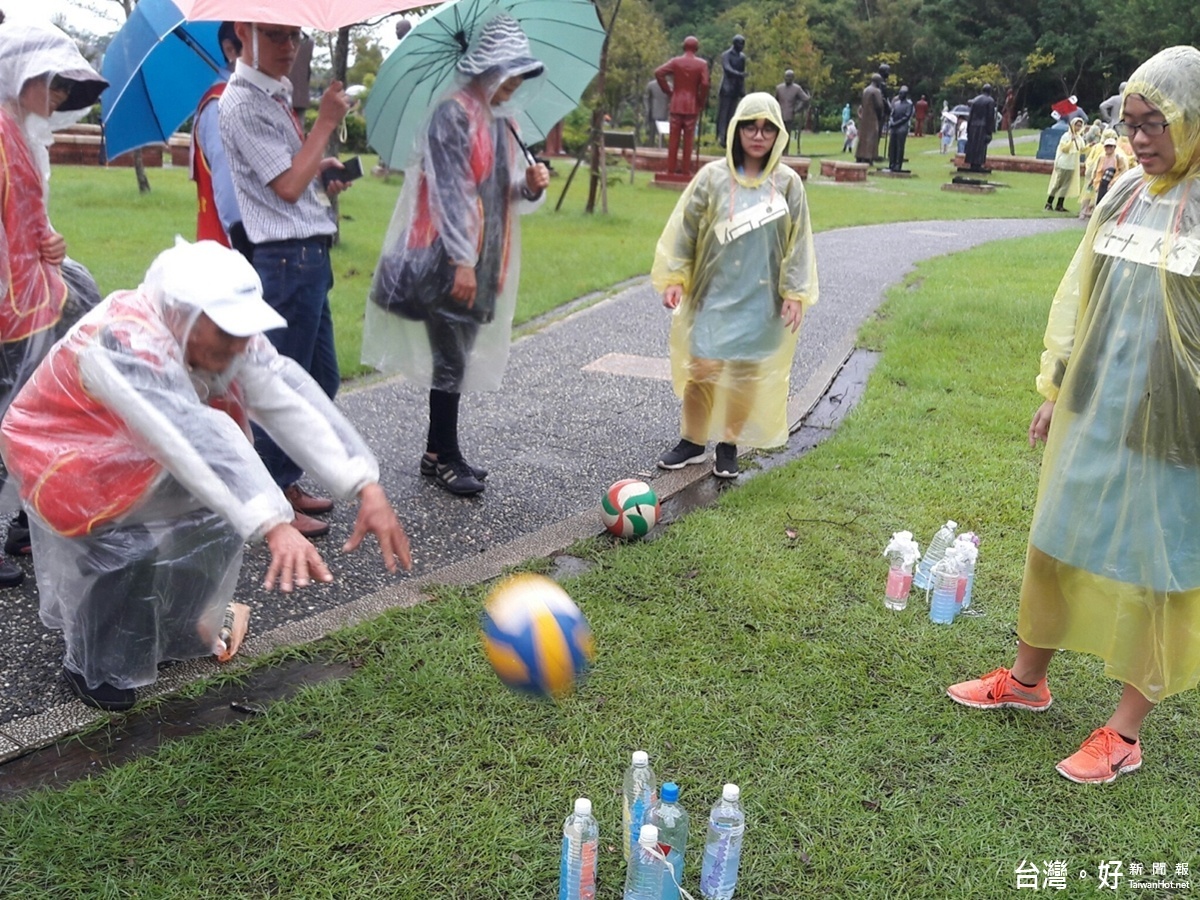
{"type": "Point", "coordinates": [296, 277]}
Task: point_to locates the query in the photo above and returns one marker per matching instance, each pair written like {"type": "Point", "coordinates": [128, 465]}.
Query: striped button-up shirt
{"type": "Point", "coordinates": [261, 137]}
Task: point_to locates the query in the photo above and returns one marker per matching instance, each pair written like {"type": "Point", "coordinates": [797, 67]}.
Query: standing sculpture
{"type": "Point", "coordinates": [793, 103]}
{"type": "Point", "coordinates": [688, 90]}
{"type": "Point", "coordinates": [873, 115]}
{"type": "Point", "coordinates": [981, 123]}
{"type": "Point", "coordinates": [733, 84]}
{"type": "Point", "coordinates": [898, 123]}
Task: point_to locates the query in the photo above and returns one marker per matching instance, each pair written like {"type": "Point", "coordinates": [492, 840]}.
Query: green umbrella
{"type": "Point", "coordinates": [565, 35]}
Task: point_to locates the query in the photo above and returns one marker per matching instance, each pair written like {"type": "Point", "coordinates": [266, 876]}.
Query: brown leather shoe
{"type": "Point", "coordinates": [308, 526]}
{"type": "Point", "coordinates": [304, 502]}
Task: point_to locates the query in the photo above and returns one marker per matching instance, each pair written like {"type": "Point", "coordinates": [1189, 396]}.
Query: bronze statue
{"type": "Point", "coordinates": [872, 115]}
{"type": "Point", "coordinates": [688, 90]}
{"type": "Point", "coordinates": [733, 84]}
{"type": "Point", "coordinates": [793, 103]}
{"type": "Point", "coordinates": [981, 123]}
{"type": "Point", "coordinates": [898, 122]}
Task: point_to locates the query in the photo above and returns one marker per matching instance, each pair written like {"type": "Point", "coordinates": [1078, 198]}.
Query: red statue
{"type": "Point", "coordinates": [689, 96]}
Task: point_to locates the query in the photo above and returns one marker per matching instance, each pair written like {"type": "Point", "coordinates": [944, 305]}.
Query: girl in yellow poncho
{"type": "Point", "coordinates": [1113, 566]}
{"type": "Point", "coordinates": [1064, 180]}
{"type": "Point", "coordinates": [735, 263]}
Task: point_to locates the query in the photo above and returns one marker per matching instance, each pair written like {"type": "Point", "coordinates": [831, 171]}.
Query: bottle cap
{"type": "Point", "coordinates": [670, 792]}
{"type": "Point", "coordinates": [583, 807]}
{"type": "Point", "coordinates": [641, 758]}
{"type": "Point", "coordinates": [731, 793]}
{"type": "Point", "coordinates": [648, 835]}
{"type": "Point", "coordinates": [952, 524]}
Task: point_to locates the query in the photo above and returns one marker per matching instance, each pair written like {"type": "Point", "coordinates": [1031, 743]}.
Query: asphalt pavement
{"type": "Point", "coordinates": [586, 400]}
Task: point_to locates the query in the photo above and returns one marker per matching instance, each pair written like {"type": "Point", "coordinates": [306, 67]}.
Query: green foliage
{"type": "Point", "coordinates": [637, 46]}
{"type": "Point", "coordinates": [356, 130]}
{"type": "Point", "coordinates": [368, 55]}
{"type": "Point", "coordinates": [777, 38]}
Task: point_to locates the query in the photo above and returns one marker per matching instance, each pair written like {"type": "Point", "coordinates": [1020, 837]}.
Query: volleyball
{"type": "Point", "coordinates": [630, 508]}
{"type": "Point", "coordinates": [535, 637]}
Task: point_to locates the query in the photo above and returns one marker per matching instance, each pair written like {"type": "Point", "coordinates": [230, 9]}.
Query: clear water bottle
{"type": "Point", "coordinates": [723, 846]}
{"type": "Point", "coordinates": [671, 820]}
{"type": "Point", "coordinates": [943, 606]}
{"type": "Point", "coordinates": [902, 554]}
{"type": "Point", "coordinates": [581, 840]}
{"type": "Point", "coordinates": [968, 548]}
{"type": "Point", "coordinates": [644, 874]}
{"type": "Point", "coordinates": [933, 553]}
{"type": "Point", "coordinates": [638, 796]}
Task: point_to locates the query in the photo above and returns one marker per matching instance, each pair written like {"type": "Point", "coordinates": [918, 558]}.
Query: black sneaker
{"type": "Point", "coordinates": [18, 542]}
{"type": "Point", "coordinates": [10, 574]}
{"type": "Point", "coordinates": [726, 465]}
{"type": "Point", "coordinates": [685, 453]}
{"type": "Point", "coordinates": [457, 477]}
{"type": "Point", "coordinates": [105, 696]}
{"type": "Point", "coordinates": [429, 469]}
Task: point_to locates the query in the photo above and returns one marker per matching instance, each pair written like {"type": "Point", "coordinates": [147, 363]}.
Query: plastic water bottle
{"type": "Point", "coordinates": [943, 607]}
{"type": "Point", "coordinates": [968, 544]}
{"type": "Point", "coordinates": [644, 874]}
{"type": "Point", "coordinates": [638, 796]}
{"type": "Point", "coordinates": [723, 846]}
{"type": "Point", "coordinates": [902, 553]}
{"type": "Point", "coordinates": [933, 553]}
{"type": "Point", "coordinates": [671, 820]}
{"type": "Point", "coordinates": [581, 840]}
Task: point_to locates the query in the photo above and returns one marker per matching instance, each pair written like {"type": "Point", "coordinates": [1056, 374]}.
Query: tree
{"type": "Point", "coordinates": [777, 38]}
{"type": "Point", "coordinates": [638, 45]}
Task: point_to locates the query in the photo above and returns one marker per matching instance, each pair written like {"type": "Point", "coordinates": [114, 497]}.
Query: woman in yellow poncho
{"type": "Point", "coordinates": [1064, 180]}
{"type": "Point", "coordinates": [735, 263]}
{"type": "Point", "coordinates": [1113, 566]}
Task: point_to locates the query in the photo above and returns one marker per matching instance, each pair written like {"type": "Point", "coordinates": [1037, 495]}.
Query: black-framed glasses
{"type": "Point", "coordinates": [281, 36]}
{"type": "Point", "coordinates": [1149, 129]}
{"type": "Point", "coordinates": [766, 129]}
{"type": "Point", "coordinates": [61, 85]}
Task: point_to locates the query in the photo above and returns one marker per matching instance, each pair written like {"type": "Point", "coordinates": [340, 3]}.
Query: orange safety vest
{"type": "Point", "coordinates": [78, 465]}
{"type": "Point", "coordinates": [32, 292]}
{"type": "Point", "coordinates": [208, 222]}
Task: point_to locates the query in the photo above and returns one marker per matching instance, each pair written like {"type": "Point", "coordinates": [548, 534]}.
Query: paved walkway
{"type": "Point", "coordinates": [586, 401]}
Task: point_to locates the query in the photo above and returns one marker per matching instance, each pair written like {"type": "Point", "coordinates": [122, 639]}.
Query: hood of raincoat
{"type": "Point", "coordinates": [753, 107]}
{"type": "Point", "coordinates": [1170, 82]}
{"type": "Point", "coordinates": [35, 51]}
{"type": "Point", "coordinates": [501, 51]}
{"type": "Point", "coordinates": [206, 277]}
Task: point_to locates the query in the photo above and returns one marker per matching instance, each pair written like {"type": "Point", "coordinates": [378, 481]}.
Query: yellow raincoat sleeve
{"type": "Point", "coordinates": [675, 255]}
{"type": "Point", "coordinates": [798, 274]}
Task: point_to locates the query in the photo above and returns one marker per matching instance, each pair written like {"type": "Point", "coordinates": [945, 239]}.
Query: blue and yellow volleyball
{"type": "Point", "coordinates": [630, 508]}
{"type": "Point", "coordinates": [535, 637]}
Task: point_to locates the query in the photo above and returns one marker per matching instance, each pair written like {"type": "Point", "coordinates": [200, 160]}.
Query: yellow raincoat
{"type": "Point", "coordinates": [1113, 566]}
{"type": "Point", "coordinates": [1064, 180]}
{"type": "Point", "coordinates": [739, 247]}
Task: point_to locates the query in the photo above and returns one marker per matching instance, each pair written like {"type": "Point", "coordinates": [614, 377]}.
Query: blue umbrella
{"type": "Point", "coordinates": [157, 66]}
{"type": "Point", "coordinates": [565, 35]}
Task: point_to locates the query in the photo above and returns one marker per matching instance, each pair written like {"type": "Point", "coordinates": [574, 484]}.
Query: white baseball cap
{"type": "Point", "coordinates": [216, 280]}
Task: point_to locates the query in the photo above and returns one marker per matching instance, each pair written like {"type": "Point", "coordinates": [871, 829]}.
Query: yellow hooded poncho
{"type": "Point", "coordinates": [1114, 559]}
{"type": "Point", "coordinates": [739, 247]}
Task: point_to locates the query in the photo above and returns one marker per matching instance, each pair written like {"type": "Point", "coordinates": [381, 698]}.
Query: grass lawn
{"type": "Point", "coordinates": [747, 643]}
{"type": "Point", "coordinates": [566, 255]}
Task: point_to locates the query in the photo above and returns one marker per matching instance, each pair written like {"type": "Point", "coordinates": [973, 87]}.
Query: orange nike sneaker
{"type": "Point", "coordinates": [1103, 756]}
{"type": "Point", "coordinates": [999, 690]}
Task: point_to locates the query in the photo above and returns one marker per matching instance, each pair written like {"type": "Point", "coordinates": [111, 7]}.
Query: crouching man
{"type": "Point", "coordinates": [132, 449]}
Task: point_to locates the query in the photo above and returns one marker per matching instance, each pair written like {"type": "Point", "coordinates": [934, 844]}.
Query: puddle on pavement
{"type": "Point", "coordinates": [126, 737]}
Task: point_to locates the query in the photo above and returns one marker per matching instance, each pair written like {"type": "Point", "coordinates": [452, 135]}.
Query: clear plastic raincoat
{"type": "Point", "coordinates": [45, 84]}
{"type": "Point", "coordinates": [1113, 566]}
{"type": "Point", "coordinates": [139, 474]}
{"type": "Point", "coordinates": [1065, 180]}
{"type": "Point", "coordinates": [739, 247]}
{"type": "Point", "coordinates": [459, 206]}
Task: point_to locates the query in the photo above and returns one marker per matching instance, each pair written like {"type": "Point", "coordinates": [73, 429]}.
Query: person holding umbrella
{"type": "Point", "coordinates": [217, 215]}
{"type": "Point", "coordinates": [287, 216]}
{"type": "Point", "coordinates": [445, 288]}
{"type": "Point", "coordinates": [45, 84]}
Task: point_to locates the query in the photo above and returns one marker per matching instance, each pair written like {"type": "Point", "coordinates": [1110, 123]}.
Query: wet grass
{"type": "Point", "coordinates": [731, 650]}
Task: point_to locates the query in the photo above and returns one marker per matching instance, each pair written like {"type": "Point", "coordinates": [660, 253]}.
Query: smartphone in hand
{"type": "Point", "coordinates": [352, 170]}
